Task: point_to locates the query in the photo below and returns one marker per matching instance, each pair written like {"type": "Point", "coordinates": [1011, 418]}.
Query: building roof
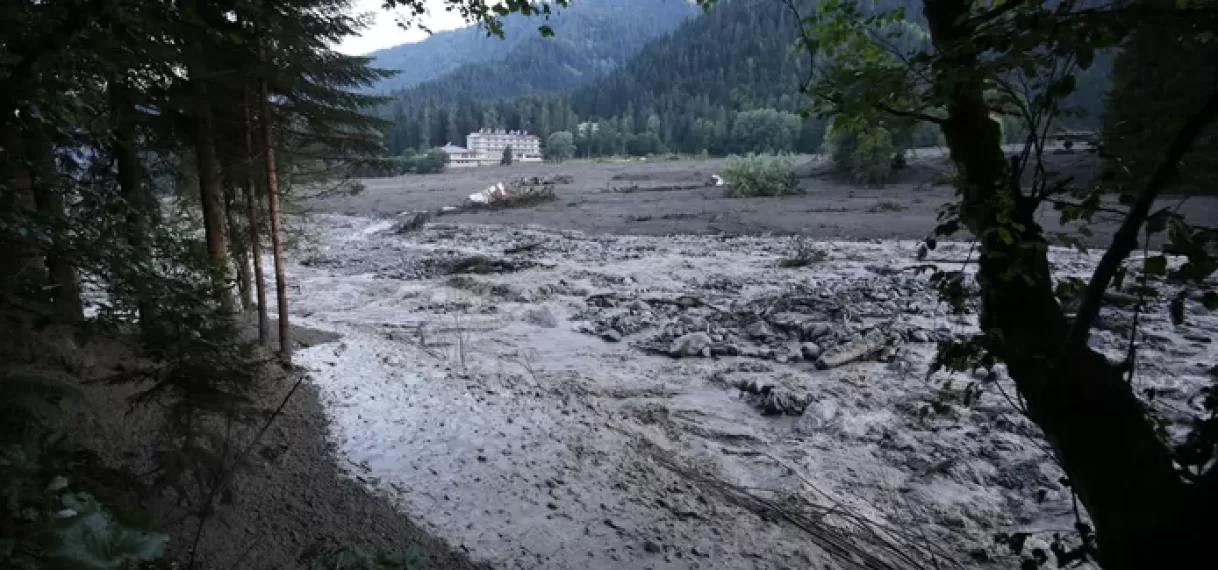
{"type": "Point", "coordinates": [454, 149]}
{"type": "Point", "coordinates": [503, 133]}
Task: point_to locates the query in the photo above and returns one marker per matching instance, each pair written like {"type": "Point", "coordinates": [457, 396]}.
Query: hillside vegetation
{"type": "Point", "coordinates": [591, 38]}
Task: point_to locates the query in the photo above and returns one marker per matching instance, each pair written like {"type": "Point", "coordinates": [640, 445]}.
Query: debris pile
{"type": "Point", "coordinates": [518, 193]}
{"type": "Point", "coordinates": [788, 328]}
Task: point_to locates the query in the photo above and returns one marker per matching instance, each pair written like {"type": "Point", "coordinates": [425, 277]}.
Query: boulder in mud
{"type": "Point", "coordinates": [611, 335]}
{"type": "Point", "coordinates": [411, 221]}
{"type": "Point", "coordinates": [818, 417]}
{"type": "Point", "coordinates": [778, 403]}
{"type": "Point", "coordinates": [759, 330]}
{"type": "Point", "coordinates": [541, 317]}
{"type": "Point", "coordinates": [811, 351]}
{"type": "Point", "coordinates": [691, 344]}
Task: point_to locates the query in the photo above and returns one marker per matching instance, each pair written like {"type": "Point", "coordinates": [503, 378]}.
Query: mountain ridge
{"type": "Point", "coordinates": [591, 37]}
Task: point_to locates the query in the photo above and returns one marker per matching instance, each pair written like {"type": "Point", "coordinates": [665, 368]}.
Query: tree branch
{"type": "Point", "coordinates": [1126, 238]}
{"type": "Point", "coordinates": [96, 12]}
{"type": "Point", "coordinates": [809, 45]}
{"type": "Point", "coordinates": [911, 114]}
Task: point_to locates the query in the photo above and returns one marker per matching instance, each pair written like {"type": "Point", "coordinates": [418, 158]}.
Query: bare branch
{"type": "Point", "coordinates": [1126, 238]}
{"type": "Point", "coordinates": [808, 44]}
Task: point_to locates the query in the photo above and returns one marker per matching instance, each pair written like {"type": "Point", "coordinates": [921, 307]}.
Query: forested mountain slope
{"type": "Point", "coordinates": [591, 37]}
{"type": "Point", "coordinates": [680, 93]}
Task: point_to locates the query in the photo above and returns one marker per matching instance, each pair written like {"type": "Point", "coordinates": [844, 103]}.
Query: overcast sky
{"type": "Point", "coordinates": [386, 33]}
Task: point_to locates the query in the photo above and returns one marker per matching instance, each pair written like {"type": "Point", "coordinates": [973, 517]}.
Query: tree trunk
{"type": "Point", "coordinates": [66, 304]}
{"type": "Point", "coordinates": [139, 202]}
{"type": "Point", "coordinates": [272, 197]}
{"type": "Point", "coordinates": [211, 196]}
{"type": "Point", "coordinates": [1141, 509]}
{"type": "Point", "coordinates": [236, 246]}
{"type": "Point", "coordinates": [22, 270]}
{"type": "Point", "coordinates": [255, 219]}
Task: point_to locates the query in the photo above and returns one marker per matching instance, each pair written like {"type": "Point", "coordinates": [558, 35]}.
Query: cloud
{"type": "Point", "coordinates": [385, 32]}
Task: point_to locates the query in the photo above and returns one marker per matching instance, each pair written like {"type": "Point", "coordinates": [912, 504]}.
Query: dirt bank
{"type": "Point", "coordinates": [292, 495]}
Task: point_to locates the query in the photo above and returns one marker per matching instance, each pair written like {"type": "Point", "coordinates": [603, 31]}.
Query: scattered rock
{"type": "Point", "coordinates": [689, 345]}
{"type": "Point", "coordinates": [485, 264]}
{"type": "Point", "coordinates": [818, 330]}
{"type": "Point", "coordinates": [919, 335]}
{"type": "Point", "coordinates": [652, 547]}
{"type": "Point", "coordinates": [874, 341]}
{"type": "Point", "coordinates": [818, 417]}
{"type": "Point", "coordinates": [810, 351]}
{"type": "Point", "coordinates": [541, 317]}
{"type": "Point", "coordinates": [611, 335]}
{"type": "Point", "coordinates": [639, 305]}
{"type": "Point", "coordinates": [778, 403]}
{"type": "Point", "coordinates": [411, 221]}
{"type": "Point", "coordinates": [759, 330]}
{"type": "Point", "coordinates": [1198, 338]}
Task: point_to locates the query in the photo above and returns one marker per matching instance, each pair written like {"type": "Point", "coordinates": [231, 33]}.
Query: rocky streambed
{"type": "Point", "coordinates": [549, 399]}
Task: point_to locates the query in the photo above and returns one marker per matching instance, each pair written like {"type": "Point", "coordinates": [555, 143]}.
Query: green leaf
{"type": "Point", "coordinates": [1005, 235]}
{"type": "Point", "coordinates": [1157, 222]}
{"type": "Point", "coordinates": [546, 31]}
{"type": "Point", "coordinates": [57, 484]}
{"type": "Point", "coordinates": [1086, 56]}
{"type": "Point", "coordinates": [1210, 300]}
{"type": "Point", "coordinates": [92, 540]}
{"type": "Point", "coordinates": [1156, 265]}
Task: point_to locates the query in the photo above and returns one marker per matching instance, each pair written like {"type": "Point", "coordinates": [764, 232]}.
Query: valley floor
{"type": "Point", "coordinates": [678, 197]}
{"type": "Point", "coordinates": [550, 398]}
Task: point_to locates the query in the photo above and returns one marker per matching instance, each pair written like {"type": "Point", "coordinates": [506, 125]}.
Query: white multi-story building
{"type": "Point", "coordinates": [488, 144]}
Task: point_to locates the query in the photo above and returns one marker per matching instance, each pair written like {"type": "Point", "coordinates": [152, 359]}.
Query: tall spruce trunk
{"type": "Point", "coordinates": [253, 215]}
{"type": "Point", "coordinates": [272, 199]}
{"type": "Point", "coordinates": [211, 195]}
{"type": "Point", "coordinates": [66, 303]}
{"type": "Point", "coordinates": [130, 181]}
{"type": "Point", "coordinates": [236, 245]}
{"type": "Point", "coordinates": [22, 269]}
{"type": "Point", "coordinates": [1144, 514]}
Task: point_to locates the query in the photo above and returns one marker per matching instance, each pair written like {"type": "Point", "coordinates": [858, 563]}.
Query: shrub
{"type": "Point", "coordinates": [759, 175]}
{"type": "Point", "coordinates": [430, 162]}
{"type": "Point", "coordinates": [863, 152]}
